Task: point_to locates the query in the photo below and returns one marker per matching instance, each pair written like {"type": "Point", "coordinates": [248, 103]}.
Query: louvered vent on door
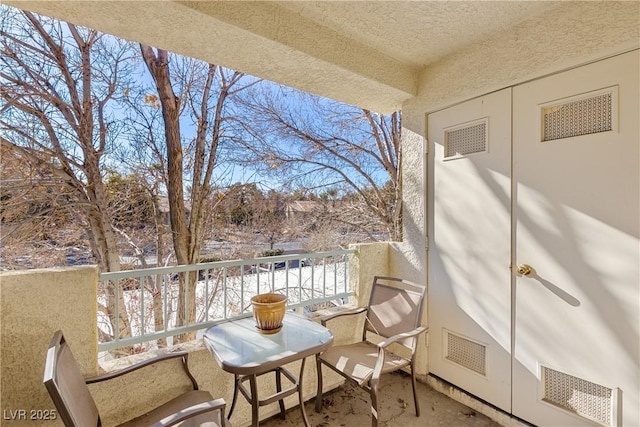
{"type": "Point", "coordinates": [467, 138]}
{"type": "Point", "coordinates": [465, 352]}
{"type": "Point", "coordinates": [593, 112]}
{"type": "Point", "coordinates": [590, 400]}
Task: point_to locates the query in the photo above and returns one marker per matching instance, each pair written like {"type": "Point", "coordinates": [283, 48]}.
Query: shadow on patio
{"type": "Point", "coordinates": [348, 406]}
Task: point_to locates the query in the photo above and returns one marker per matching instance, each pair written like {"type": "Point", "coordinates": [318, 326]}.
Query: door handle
{"type": "Point", "coordinates": [525, 270]}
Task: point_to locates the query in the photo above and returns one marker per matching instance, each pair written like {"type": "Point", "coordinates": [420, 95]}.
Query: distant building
{"type": "Point", "coordinates": [163, 206]}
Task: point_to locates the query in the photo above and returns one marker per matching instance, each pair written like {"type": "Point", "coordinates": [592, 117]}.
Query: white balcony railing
{"type": "Point", "coordinates": [146, 301]}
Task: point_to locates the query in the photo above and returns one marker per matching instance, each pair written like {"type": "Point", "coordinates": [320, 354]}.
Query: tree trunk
{"type": "Point", "coordinates": [158, 66]}
{"type": "Point", "coordinates": [158, 289]}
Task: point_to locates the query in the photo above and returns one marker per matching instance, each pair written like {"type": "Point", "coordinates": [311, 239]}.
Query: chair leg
{"type": "Point", "coordinates": [319, 391]}
{"type": "Point", "coordinates": [415, 395]}
{"type": "Point", "coordinates": [374, 405]}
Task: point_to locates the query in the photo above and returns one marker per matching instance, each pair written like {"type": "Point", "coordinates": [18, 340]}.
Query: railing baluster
{"type": "Point", "coordinates": [116, 290]}
{"type": "Point", "coordinates": [335, 276]}
{"type": "Point", "coordinates": [346, 274]}
{"type": "Point", "coordinates": [165, 306]}
{"type": "Point", "coordinates": [300, 281]}
{"type": "Point", "coordinates": [286, 278]}
{"type": "Point", "coordinates": [141, 285]}
{"type": "Point", "coordinates": [258, 278]}
{"type": "Point", "coordinates": [313, 279]}
{"type": "Point", "coordinates": [241, 289]}
{"type": "Point", "coordinates": [272, 286]}
{"type": "Point", "coordinates": [324, 276]}
{"type": "Point", "coordinates": [206, 296]}
{"type": "Point", "coordinates": [224, 291]}
{"type": "Point", "coordinates": [187, 287]}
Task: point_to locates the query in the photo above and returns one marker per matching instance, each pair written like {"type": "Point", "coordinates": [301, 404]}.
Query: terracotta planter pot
{"type": "Point", "coordinates": [268, 310]}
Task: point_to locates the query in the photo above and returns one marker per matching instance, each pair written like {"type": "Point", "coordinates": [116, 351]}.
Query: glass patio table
{"type": "Point", "coordinates": [241, 349]}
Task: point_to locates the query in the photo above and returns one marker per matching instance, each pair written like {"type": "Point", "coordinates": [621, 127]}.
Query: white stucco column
{"type": "Point", "coordinates": [407, 259]}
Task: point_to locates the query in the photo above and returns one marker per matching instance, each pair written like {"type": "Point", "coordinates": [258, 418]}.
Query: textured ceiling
{"type": "Point", "coordinates": [418, 33]}
{"type": "Point", "coordinates": [368, 53]}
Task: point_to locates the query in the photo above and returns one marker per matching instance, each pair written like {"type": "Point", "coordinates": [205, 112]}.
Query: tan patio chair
{"type": "Point", "coordinates": [70, 394]}
{"type": "Point", "coordinates": [393, 314]}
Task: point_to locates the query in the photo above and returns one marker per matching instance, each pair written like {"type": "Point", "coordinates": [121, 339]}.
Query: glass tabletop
{"type": "Point", "coordinates": [240, 348]}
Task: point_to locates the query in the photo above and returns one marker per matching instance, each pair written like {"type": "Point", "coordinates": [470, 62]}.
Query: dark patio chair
{"type": "Point", "coordinates": [393, 314]}
{"type": "Point", "coordinates": [70, 394]}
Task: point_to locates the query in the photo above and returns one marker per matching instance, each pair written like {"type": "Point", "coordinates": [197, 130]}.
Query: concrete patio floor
{"type": "Point", "coordinates": [348, 406]}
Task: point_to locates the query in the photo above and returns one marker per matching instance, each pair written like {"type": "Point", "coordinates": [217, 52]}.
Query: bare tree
{"type": "Point", "coordinates": [144, 156]}
{"type": "Point", "coordinates": [199, 91]}
{"type": "Point", "coordinates": [59, 85]}
{"type": "Point", "coordinates": [314, 142]}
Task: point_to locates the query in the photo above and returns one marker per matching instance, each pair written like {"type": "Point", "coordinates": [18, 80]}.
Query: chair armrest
{"type": "Point", "coordinates": [179, 354]}
{"type": "Point", "coordinates": [377, 370]}
{"type": "Point", "coordinates": [325, 319]}
{"type": "Point", "coordinates": [402, 336]}
{"type": "Point", "coordinates": [192, 411]}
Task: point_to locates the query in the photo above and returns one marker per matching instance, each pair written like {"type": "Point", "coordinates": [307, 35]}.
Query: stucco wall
{"type": "Point", "coordinates": [407, 259]}
{"type": "Point", "coordinates": [371, 259]}
{"type": "Point", "coordinates": [34, 305]}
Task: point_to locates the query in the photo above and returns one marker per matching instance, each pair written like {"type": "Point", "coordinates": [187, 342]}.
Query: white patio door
{"type": "Point", "coordinates": [469, 246]}
{"type": "Point", "coordinates": [577, 187]}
